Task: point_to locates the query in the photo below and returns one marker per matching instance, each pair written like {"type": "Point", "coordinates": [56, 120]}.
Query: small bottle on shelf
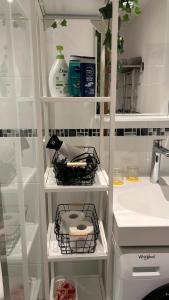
{"type": "Point", "coordinates": [58, 76]}
{"type": "Point", "coordinates": [74, 76]}
{"type": "Point", "coordinates": [87, 76]}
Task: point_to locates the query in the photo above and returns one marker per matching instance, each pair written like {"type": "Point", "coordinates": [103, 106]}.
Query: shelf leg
{"type": "Point", "coordinates": [52, 270]}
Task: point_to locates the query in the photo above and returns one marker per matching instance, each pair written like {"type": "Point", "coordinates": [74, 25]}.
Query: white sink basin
{"type": "Point", "coordinates": [147, 201]}
{"type": "Point", "coordinates": [141, 212]}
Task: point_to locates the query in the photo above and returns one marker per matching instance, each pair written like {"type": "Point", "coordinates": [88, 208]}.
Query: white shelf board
{"type": "Point", "coordinates": [25, 99]}
{"type": "Point", "coordinates": [100, 184]}
{"type": "Point", "coordinates": [89, 287]}
{"type": "Point", "coordinates": [17, 99]}
{"type": "Point", "coordinates": [75, 99]}
{"type": "Point", "coordinates": [54, 253]}
{"type": "Point", "coordinates": [35, 287]}
{"type": "Point", "coordinates": [16, 254]}
{"type": "Point", "coordinates": [74, 7]}
{"type": "Point", "coordinates": [140, 118]}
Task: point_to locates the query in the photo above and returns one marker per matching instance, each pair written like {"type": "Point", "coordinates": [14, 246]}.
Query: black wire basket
{"type": "Point", "coordinates": [76, 244]}
{"type": "Point", "coordinates": [8, 242]}
{"type": "Point", "coordinates": [9, 234]}
{"type": "Point", "coordinates": [67, 174]}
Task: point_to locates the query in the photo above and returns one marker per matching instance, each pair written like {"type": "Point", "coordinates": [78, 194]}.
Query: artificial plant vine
{"type": "Point", "coordinates": [127, 8]}
{"type": "Point", "coordinates": [56, 23]}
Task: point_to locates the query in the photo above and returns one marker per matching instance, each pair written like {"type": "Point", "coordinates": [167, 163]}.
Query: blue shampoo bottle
{"type": "Point", "coordinates": [87, 76]}
{"type": "Point", "coordinates": [74, 76]}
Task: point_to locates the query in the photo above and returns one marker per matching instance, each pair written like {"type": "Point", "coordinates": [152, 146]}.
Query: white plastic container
{"type": "Point", "coordinates": [58, 76]}
{"type": "Point", "coordinates": [59, 280]}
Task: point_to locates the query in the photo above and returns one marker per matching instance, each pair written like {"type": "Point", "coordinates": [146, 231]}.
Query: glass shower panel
{"type": "Point", "coordinates": [5, 72]}
{"type": "Point", "coordinates": [11, 239]}
{"type": "Point", "coordinates": [21, 44]}
{"type": "Point", "coordinates": [19, 183]}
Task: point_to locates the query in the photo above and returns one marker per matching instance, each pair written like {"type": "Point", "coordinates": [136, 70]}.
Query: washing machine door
{"type": "Point", "coordinates": [162, 293]}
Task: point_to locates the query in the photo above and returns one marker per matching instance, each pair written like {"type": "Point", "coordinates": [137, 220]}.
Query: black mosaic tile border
{"type": "Point", "coordinates": [141, 131]}
{"type": "Point", "coordinates": [118, 132]}
{"type": "Point", "coordinates": [86, 132]}
{"type": "Point", "coordinates": [75, 132]}
{"type": "Point", "coordinates": [18, 132]}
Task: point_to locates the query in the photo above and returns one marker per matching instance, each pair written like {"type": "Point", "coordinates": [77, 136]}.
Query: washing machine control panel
{"type": "Point", "coordinates": [144, 265]}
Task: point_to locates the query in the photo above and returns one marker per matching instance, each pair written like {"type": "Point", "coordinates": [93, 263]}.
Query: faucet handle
{"type": "Point", "coordinates": [158, 141]}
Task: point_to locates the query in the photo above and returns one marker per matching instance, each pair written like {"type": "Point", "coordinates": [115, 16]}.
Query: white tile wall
{"type": "Point", "coordinates": [137, 151]}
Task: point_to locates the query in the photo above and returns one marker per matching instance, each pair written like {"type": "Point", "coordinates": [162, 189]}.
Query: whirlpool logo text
{"type": "Point", "coordinates": [146, 256]}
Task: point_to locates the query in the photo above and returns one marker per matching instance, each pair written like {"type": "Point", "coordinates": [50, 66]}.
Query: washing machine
{"type": "Point", "coordinates": [141, 273]}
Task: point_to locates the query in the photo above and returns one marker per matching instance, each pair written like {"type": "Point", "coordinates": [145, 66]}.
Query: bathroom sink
{"type": "Point", "coordinates": [148, 201]}
{"type": "Point", "coordinates": [141, 212]}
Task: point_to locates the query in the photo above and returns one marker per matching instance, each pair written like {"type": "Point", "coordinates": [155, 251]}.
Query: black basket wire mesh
{"type": "Point", "coordinates": [72, 245]}
{"type": "Point", "coordinates": [8, 242]}
{"type": "Point", "coordinates": [9, 235]}
{"type": "Point", "coordinates": [66, 175]}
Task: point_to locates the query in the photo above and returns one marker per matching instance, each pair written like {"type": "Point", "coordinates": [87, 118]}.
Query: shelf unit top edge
{"type": "Point", "coordinates": [83, 257]}
{"type": "Point", "coordinates": [48, 16]}
{"type": "Point", "coordinates": [74, 99]}
{"type": "Point", "coordinates": [77, 189]}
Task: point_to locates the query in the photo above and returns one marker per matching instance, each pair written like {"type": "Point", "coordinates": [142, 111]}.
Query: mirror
{"type": "Point", "coordinates": [143, 78]}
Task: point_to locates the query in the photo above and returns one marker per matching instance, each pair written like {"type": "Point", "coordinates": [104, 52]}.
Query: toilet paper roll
{"type": "Point", "coordinates": [82, 228]}
{"type": "Point", "coordinates": [79, 239]}
{"type": "Point", "coordinates": [10, 223]}
{"type": "Point", "coordinates": [72, 218]}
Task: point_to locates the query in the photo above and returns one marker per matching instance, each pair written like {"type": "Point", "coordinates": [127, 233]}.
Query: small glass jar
{"type": "Point", "coordinates": [118, 177]}
{"type": "Point", "coordinates": [132, 173]}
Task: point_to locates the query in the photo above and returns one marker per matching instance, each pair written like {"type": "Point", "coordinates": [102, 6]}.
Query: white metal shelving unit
{"type": "Point", "coordinates": [100, 285]}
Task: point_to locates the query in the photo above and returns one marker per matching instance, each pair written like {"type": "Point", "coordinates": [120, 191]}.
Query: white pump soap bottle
{"type": "Point", "coordinates": [58, 76]}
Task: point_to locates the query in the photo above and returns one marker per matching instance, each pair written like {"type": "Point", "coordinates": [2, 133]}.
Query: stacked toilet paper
{"type": "Point", "coordinates": [78, 229]}
{"type": "Point", "coordinates": [71, 218]}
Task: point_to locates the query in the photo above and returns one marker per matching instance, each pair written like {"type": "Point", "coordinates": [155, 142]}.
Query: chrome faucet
{"type": "Point", "coordinates": [157, 151]}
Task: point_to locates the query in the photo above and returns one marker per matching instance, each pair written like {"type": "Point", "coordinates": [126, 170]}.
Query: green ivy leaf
{"type": "Point", "coordinates": [137, 10]}
{"type": "Point", "coordinates": [106, 11]}
{"type": "Point", "coordinates": [54, 25]}
{"type": "Point", "coordinates": [137, 2]}
{"type": "Point", "coordinates": [119, 66]}
{"type": "Point", "coordinates": [128, 8]}
{"type": "Point", "coordinates": [126, 18]}
{"type": "Point", "coordinates": [120, 44]}
{"type": "Point", "coordinates": [63, 23]}
{"type": "Point", "coordinates": [107, 41]}
{"type": "Point", "coordinates": [120, 5]}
